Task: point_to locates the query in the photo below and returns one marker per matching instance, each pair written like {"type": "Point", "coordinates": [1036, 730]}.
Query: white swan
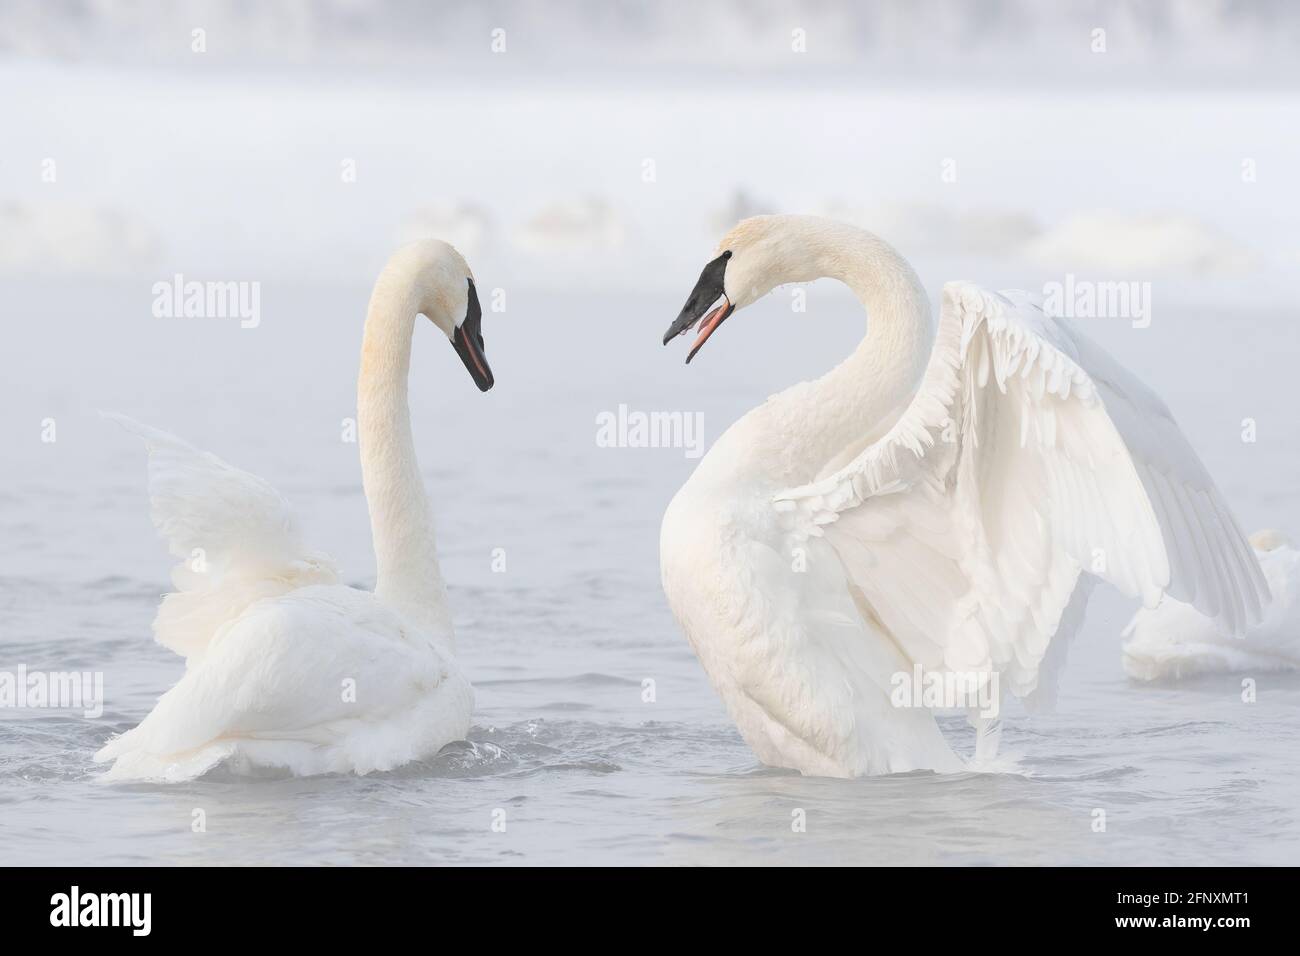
{"type": "Point", "coordinates": [284, 666]}
{"type": "Point", "coordinates": [929, 503]}
{"type": "Point", "coordinates": [1173, 640]}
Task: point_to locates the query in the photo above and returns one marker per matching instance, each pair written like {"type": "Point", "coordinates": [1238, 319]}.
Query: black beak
{"type": "Point", "coordinates": [468, 342]}
{"type": "Point", "coordinates": [707, 291]}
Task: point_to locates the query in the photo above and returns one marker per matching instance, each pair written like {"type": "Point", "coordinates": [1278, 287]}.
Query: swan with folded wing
{"type": "Point", "coordinates": [938, 503]}
{"type": "Point", "coordinates": [1173, 640]}
{"type": "Point", "coordinates": [286, 668]}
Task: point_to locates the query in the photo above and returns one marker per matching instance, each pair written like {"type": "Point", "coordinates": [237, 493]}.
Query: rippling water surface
{"type": "Point", "coordinates": [560, 644]}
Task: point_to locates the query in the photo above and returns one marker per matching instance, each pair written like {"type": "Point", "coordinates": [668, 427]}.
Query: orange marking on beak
{"type": "Point", "coordinates": [711, 322]}
{"type": "Point", "coordinates": [473, 353]}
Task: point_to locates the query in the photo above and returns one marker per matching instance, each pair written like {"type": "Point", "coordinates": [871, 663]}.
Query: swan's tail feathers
{"type": "Point", "coordinates": [132, 764]}
{"type": "Point", "coordinates": [234, 535]}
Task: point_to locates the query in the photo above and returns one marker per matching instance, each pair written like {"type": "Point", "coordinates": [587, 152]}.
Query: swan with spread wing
{"type": "Point", "coordinates": [285, 667]}
{"type": "Point", "coordinates": [939, 502]}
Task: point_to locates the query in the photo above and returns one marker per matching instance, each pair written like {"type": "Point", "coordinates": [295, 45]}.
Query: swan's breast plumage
{"type": "Point", "coordinates": [780, 636]}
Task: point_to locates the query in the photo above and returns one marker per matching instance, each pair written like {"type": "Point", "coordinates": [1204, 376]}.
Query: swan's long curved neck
{"type": "Point", "coordinates": [862, 396]}
{"type": "Point", "coordinates": [401, 522]}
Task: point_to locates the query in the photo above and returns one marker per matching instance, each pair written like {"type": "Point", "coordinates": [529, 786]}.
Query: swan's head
{"type": "Point", "coordinates": [444, 293]}
{"type": "Point", "coordinates": [756, 256]}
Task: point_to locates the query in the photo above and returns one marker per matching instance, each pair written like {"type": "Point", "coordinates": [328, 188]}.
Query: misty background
{"type": "Point", "coordinates": [257, 140]}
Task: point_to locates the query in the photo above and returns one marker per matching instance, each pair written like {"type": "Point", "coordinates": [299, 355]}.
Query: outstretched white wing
{"type": "Point", "coordinates": [232, 532]}
{"type": "Point", "coordinates": [1026, 457]}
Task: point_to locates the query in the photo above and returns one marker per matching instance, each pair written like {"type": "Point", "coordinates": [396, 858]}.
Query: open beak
{"type": "Point", "coordinates": [708, 290]}
{"type": "Point", "coordinates": [468, 342]}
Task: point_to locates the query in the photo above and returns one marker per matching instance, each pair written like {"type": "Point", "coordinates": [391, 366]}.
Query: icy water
{"type": "Point", "coordinates": [560, 644]}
